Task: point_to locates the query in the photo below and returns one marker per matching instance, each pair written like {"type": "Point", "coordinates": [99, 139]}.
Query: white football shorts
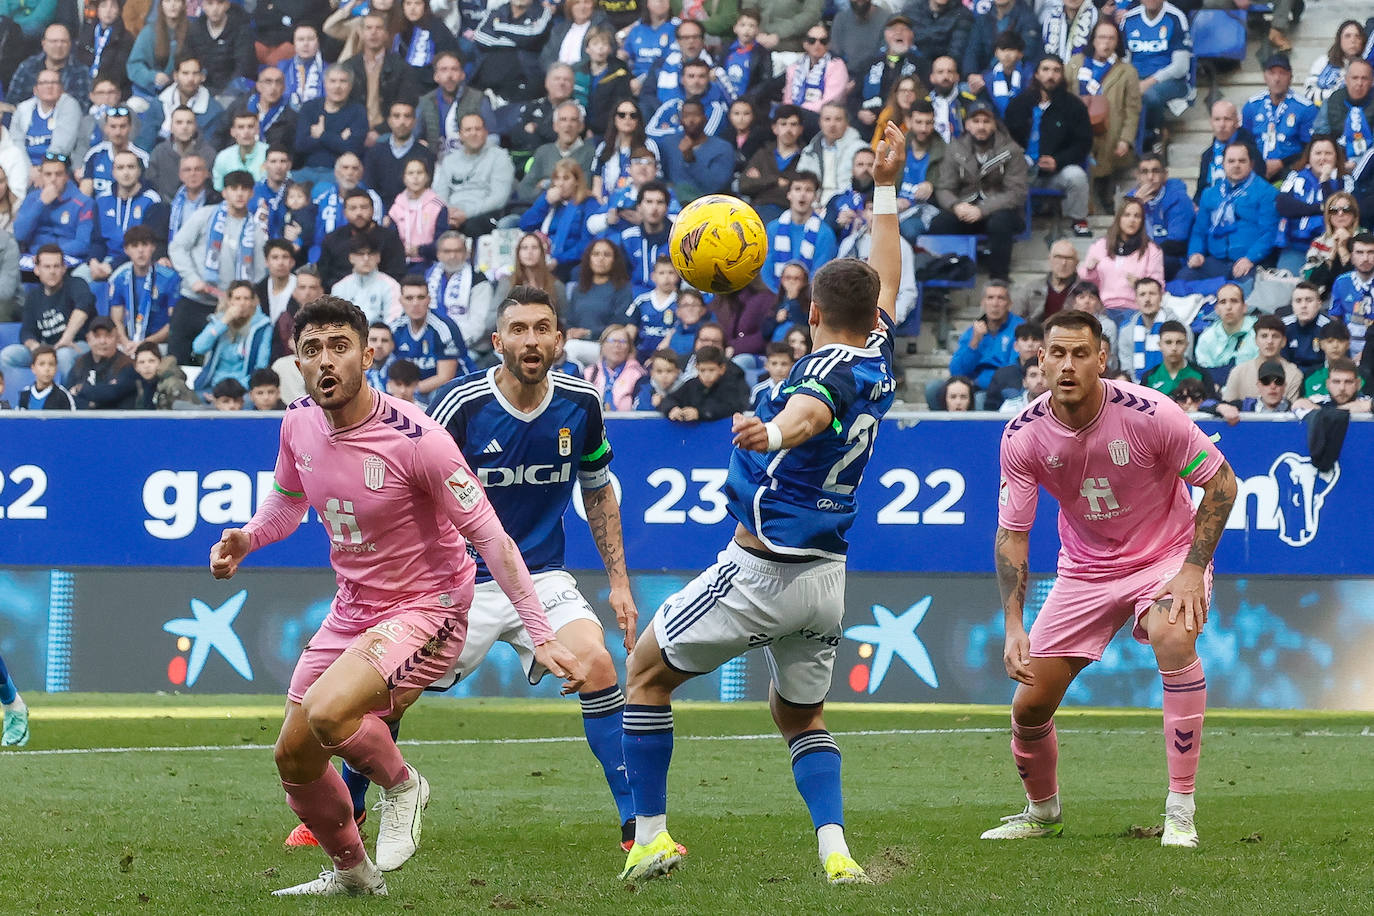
{"type": "Point", "coordinates": [790, 610]}
{"type": "Point", "coordinates": [493, 618]}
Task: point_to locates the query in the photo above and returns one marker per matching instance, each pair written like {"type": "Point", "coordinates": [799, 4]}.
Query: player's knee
{"type": "Point", "coordinates": [793, 720]}
{"type": "Point", "coordinates": [1172, 643]}
{"type": "Point", "coordinates": [329, 719]}
{"type": "Point", "coordinates": [1031, 707]}
{"type": "Point", "coordinates": [601, 671]}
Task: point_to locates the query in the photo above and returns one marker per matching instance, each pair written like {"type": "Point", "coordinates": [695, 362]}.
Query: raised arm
{"type": "Point", "coordinates": [603, 517]}
{"type": "Point", "coordinates": [886, 253]}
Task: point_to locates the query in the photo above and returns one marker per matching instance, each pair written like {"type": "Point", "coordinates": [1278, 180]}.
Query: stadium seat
{"type": "Point", "coordinates": [1218, 35]}
{"type": "Point", "coordinates": [9, 333]}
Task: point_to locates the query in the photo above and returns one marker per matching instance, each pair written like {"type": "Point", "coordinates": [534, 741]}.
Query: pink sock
{"type": "Point", "coordinates": [324, 807]}
{"type": "Point", "coordinates": [1185, 700]}
{"type": "Point", "coordinates": [1036, 750]}
{"type": "Point", "coordinates": [373, 752]}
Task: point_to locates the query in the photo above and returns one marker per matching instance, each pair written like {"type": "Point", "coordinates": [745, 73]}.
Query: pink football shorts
{"type": "Point", "coordinates": [1080, 616]}
{"type": "Point", "coordinates": [413, 647]}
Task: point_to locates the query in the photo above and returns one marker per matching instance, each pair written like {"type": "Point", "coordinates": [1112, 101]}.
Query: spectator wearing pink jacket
{"type": "Point", "coordinates": [419, 215]}
{"type": "Point", "coordinates": [818, 77]}
{"type": "Point", "coordinates": [1126, 254]}
{"type": "Point", "coordinates": [617, 372]}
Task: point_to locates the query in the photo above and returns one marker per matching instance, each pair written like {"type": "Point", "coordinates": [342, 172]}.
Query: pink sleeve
{"type": "Point", "coordinates": [439, 468]}
{"type": "Point", "coordinates": [280, 513]}
{"type": "Point", "coordinates": [1187, 449]}
{"type": "Point", "coordinates": [1017, 493]}
{"type": "Point", "coordinates": [836, 81]}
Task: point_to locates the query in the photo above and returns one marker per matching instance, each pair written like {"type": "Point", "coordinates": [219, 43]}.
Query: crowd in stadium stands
{"type": "Point", "coordinates": [178, 176]}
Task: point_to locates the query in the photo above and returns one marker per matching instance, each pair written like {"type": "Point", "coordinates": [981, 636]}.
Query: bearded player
{"type": "Point", "coordinates": [1117, 457]}
{"type": "Point", "coordinates": [779, 584]}
{"type": "Point", "coordinates": [397, 500]}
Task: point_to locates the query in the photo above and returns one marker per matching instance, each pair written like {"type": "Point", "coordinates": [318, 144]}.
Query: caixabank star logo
{"type": "Point", "coordinates": [890, 636]}
{"type": "Point", "coordinates": [209, 629]}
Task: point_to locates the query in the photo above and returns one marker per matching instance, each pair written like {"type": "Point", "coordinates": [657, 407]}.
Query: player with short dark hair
{"type": "Point", "coordinates": [397, 501]}
{"type": "Point", "coordinates": [779, 584]}
{"type": "Point", "coordinates": [1116, 456]}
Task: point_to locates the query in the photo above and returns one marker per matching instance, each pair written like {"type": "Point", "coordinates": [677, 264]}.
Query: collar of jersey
{"type": "Point", "coordinates": [372, 415]}
{"type": "Point", "coordinates": [848, 348]}
{"type": "Point", "coordinates": [510, 408]}
{"type": "Point", "coordinates": [1091, 423]}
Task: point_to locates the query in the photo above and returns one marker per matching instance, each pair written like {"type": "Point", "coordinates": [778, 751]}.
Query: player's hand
{"type": "Point", "coordinates": [229, 552]}
{"type": "Point", "coordinates": [626, 614]}
{"type": "Point", "coordinates": [1016, 657]}
{"type": "Point", "coordinates": [561, 663]}
{"type": "Point", "coordinates": [749, 433]}
{"type": "Point", "coordinates": [891, 152]}
{"type": "Point", "coordinates": [1189, 590]}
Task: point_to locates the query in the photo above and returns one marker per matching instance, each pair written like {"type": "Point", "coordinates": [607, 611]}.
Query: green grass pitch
{"type": "Point", "coordinates": [1283, 808]}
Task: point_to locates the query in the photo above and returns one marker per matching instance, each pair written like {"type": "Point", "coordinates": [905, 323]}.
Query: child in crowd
{"type": "Point", "coordinates": [1335, 344]}
{"type": "Point", "coordinates": [419, 215]}
{"type": "Point", "coordinates": [45, 393]}
{"type": "Point", "coordinates": [691, 315]}
{"type": "Point", "coordinates": [778, 362]}
{"type": "Point", "coordinates": [711, 395]}
{"type": "Point", "coordinates": [651, 315]}
{"type": "Point", "coordinates": [264, 388]}
{"type": "Point", "coordinates": [299, 225]}
{"type": "Point", "coordinates": [227, 395]}
{"type": "Point", "coordinates": [402, 378]}
{"type": "Point", "coordinates": [665, 368]}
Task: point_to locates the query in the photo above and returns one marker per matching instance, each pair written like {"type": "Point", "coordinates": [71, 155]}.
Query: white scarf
{"type": "Point", "coordinates": [782, 245]}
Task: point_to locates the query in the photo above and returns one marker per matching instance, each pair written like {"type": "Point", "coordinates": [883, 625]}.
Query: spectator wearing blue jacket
{"type": "Point", "coordinates": [697, 163]}
{"type": "Point", "coordinates": [560, 212]}
{"type": "Point", "coordinates": [1236, 226]}
{"type": "Point", "coordinates": [1226, 129]}
{"type": "Point", "coordinates": [990, 343]}
{"type": "Point", "coordinates": [800, 235]}
{"type": "Point", "coordinates": [237, 340]}
{"type": "Point", "coordinates": [1001, 16]}
{"type": "Point", "coordinates": [1169, 211]}
{"type": "Point", "coordinates": [55, 212]}
{"type": "Point", "coordinates": [1279, 119]}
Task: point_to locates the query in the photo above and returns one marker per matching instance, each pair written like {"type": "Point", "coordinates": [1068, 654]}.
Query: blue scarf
{"type": "Point", "coordinates": [329, 206]}
{"type": "Point", "coordinates": [1357, 134]}
{"type": "Point", "coordinates": [1216, 172]}
{"type": "Point", "coordinates": [180, 203]}
{"type": "Point", "coordinates": [1004, 87]}
{"type": "Point", "coordinates": [1145, 353]}
{"type": "Point", "coordinates": [102, 38]}
{"type": "Point", "coordinates": [1306, 188]}
{"type": "Point", "coordinates": [267, 119]}
{"type": "Point", "coordinates": [243, 266]}
{"type": "Point", "coordinates": [1033, 147]}
{"type": "Point", "coordinates": [809, 86]}
{"type": "Point", "coordinates": [276, 212]}
{"type": "Point", "coordinates": [1224, 216]}
{"type": "Point", "coordinates": [142, 295]}
{"type": "Point", "coordinates": [97, 117]}
{"type": "Point", "coordinates": [304, 81]}
{"type": "Point", "coordinates": [806, 251]}
{"type": "Point", "coordinates": [1091, 74]}
{"type": "Point", "coordinates": [420, 48]}
{"type": "Point", "coordinates": [1271, 116]}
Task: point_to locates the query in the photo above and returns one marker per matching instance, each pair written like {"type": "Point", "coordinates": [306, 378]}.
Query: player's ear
{"type": "Point", "coordinates": [496, 343]}
{"type": "Point", "coordinates": [813, 315]}
{"type": "Point", "coordinates": [368, 355]}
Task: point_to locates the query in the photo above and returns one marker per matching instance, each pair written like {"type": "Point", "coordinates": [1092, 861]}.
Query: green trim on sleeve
{"type": "Point", "coordinates": [1194, 464]}
{"type": "Point", "coordinates": [601, 450]}
{"type": "Point", "coordinates": [285, 492]}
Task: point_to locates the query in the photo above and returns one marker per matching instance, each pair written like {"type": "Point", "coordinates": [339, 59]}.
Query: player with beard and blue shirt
{"type": "Point", "coordinates": [779, 584]}
{"type": "Point", "coordinates": [532, 435]}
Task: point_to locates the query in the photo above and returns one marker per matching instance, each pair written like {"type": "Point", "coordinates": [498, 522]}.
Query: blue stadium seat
{"type": "Point", "coordinates": [9, 333]}
{"type": "Point", "coordinates": [965, 245]}
{"type": "Point", "coordinates": [1219, 35]}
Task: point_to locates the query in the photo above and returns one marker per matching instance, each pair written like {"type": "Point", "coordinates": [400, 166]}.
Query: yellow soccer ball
{"type": "Point", "coordinates": [718, 243]}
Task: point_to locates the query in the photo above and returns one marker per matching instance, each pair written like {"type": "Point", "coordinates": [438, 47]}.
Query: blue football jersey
{"type": "Point", "coordinates": [440, 339]}
{"type": "Point", "coordinates": [528, 462]}
{"type": "Point", "coordinates": [1151, 44]}
{"type": "Point", "coordinates": [800, 501]}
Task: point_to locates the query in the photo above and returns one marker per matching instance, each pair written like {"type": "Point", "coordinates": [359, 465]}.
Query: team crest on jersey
{"type": "Point", "coordinates": [565, 442]}
{"type": "Point", "coordinates": [1120, 452]}
{"type": "Point", "coordinates": [1054, 462]}
{"type": "Point", "coordinates": [374, 472]}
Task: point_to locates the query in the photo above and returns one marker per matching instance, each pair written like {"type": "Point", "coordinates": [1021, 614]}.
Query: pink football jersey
{"type": "Point", "coordinates": [1120, 480]}
{"type": "Point", "coordinates": [390, 492]}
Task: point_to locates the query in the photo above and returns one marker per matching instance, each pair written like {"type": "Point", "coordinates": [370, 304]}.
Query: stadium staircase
{"type": "Point", "coordinates": [927, 357]}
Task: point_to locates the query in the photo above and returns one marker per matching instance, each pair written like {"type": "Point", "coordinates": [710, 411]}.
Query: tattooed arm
{"type": "Point", "coordinates": [1013, 575]}
{"type": "Point", "coordinates": [1188, 589]}
{"type": "Point", "coordinates": [603, 517]}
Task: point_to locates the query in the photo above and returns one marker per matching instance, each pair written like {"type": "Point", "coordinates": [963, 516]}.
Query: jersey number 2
{"type": "Point", "coordinates": [860, 441]}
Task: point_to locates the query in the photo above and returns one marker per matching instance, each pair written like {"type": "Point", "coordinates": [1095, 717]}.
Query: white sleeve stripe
{"type": "Point", "coordinates": [444, 410]}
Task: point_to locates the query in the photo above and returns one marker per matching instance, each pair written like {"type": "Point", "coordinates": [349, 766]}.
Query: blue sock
{"type": "Point", "coordinates": [648, 747]}
{"type": "Point", "coordinates": [7, 689]}
{"type": "Point", "coordinates": [358, 783]}
{"type": "Point", "coordinates": [601, 720]}
{"type": "Point", "coordinates": [816, 769]}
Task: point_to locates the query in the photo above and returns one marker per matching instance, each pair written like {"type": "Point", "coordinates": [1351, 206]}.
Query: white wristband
{"type": "Point", "coordinates": [774, 436]}
{"type": "Point", "coordinates": [884, 201]}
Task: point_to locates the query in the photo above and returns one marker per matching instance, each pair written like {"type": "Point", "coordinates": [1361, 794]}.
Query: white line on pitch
{"type": "Point", "coordinates": [577, 739]}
